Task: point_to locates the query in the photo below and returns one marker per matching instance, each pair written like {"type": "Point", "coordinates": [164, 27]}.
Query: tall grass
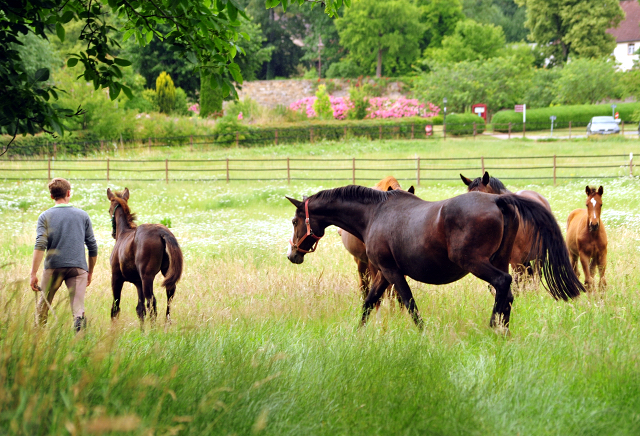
{"type": "Point", "coordinates": [259, 345]}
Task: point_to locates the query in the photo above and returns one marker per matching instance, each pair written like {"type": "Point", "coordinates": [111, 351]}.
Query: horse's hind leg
{"type": "Point", "coordinates": [378, 287]}
{"type": "Point", "coordinates": [147, 289]}
{"type": "Point", "coordinates": [140, 306]}
{"type": "Point", "coordinates": [116, 287]}
{"type": "Point", "coordinates": [404, 291]}
{"type": "Point", "coordinates": [501, 281]}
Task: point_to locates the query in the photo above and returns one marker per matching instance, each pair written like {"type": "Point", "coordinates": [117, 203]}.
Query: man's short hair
{"type": "Point", "coordinates": [59, 187]}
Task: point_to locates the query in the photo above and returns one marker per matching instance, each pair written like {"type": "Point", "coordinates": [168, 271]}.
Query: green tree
{"type": "Point", "coordinates": [377, 32]}
{"type": "Point", "coordinates": [584, 81]}
{"type": "Point", "coordinates": [471, 41]}
{"type": "Point", "coordinates": [210, 97]}
{"type": "Point", "coordinates": [322, 105]}
{"type": "Point", "coordinates": [165, 93]}
{"type": "Point", "coordinates": [321, 27]}
{"type": "Point", "coordinates": [563, 28]}
{"type": "Point", "coordinates": [203, 31]}
{"type": "Point", "coordinates": [439, 18]}
{"type": "Point", "coordinates": [504, 13]}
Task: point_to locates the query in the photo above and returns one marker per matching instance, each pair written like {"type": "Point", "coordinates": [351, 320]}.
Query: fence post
{"type": "Point", "coordinates": [276, 136]}
{"type": "Point", "coordinates": [345, 132]}
{"type": "Point", "coordinates": [412, 132]}
{"type": "Point", "coordinates": [227, 170]}
{"type": "Point", "coordinates": [482, 163]}
{"type": "Point", "coordinates": [630, 164]}
{"type": "Point", "coordinates": [509, 130]}
{"type": "Point", "coordinates": [569, 129]}
{"type": "Point", "coordinates": [474, 131]}
{"type": "Point", "coordinates": [524, 130]}
{"type": "Point", "coordinates": [444, 132]}
{"type": "Point", "coordinates": [288, 172]}
{"type": "Point", "coordinates": [166, 170]}
{"type": "Point", "coordinates": [418, 171]}
{"type": "Point", "coordinates": [101, 145]}
{"type": "Point", "coordinates": [554, 170]}
{"type": "Point", "coordinates": [237, 138]}
{"type": "Point", "coordinates": [380, 133]}
{"type": "Point", "coordinates": [55, 149]}
{"type": "Point", "coordinates": [108, 169]}
{"type": "Point", "coordinates": [121, 144]}
{"type": "Point", "coordinates": [191, 142]}
{"type": "Point", "coordinates": [311, 135]}
{"type": "Point", "coordinates": [49, 169]}
{"type": "Point", "coordinates": [353, 174]}
{"type": "Point", "coordinates": [149, 146]}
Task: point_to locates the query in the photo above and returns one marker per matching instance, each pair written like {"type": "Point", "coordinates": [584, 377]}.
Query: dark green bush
{"type": "Point", "coordinates": [462, 124]}
{"type": "Point", "coordinates": [579, 115]}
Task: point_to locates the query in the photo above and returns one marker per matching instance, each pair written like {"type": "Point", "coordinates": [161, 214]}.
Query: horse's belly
{"type": "Point", "coordinates": [437, 274]}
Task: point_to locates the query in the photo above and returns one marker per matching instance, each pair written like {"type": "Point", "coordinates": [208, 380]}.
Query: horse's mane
{"type": "Point", "coordinates": [494, 182]}
{"type": "Point", "coordinates": [386, 183]}
{"type": "Point", "coordinates": [354, 193]}
{"type": "Point", "coordinates": [130, 217]}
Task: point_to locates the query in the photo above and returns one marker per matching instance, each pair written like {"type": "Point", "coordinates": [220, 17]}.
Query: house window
{"type": "Point", "coordinates": [631, 49]}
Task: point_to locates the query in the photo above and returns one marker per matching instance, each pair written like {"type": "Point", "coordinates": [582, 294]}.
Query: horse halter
{"type": "Point", "coordinates": [113, 221]}
{"type": "Point", "coordinates": [296, 246]}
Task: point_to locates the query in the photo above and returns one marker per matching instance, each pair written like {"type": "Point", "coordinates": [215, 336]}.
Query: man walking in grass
{"type": "Point", "coordinates": [62, 232]}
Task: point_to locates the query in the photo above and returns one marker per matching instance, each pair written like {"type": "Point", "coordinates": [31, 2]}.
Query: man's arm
{"type": "Point", "coordinates": [92, 263]}
{"type": "Point", "coordinates": [35, 265]}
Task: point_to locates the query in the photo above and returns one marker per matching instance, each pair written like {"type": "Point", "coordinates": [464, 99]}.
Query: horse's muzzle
{"type": "Point", "coordinates": [295, 257]}
{"type": "Point", "coordinates": [594, 227]}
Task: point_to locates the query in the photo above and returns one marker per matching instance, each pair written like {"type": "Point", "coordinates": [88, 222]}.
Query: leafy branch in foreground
{"type": "Point", "coordinates": [205, 32]}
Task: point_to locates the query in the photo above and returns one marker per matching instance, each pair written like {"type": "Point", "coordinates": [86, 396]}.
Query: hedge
{"type": "Point", "coordinates": [227, 130]}
{"type": "Point", "coordinates": [462, 124]}
{"type": "Point", "coordinates": [579, 115]}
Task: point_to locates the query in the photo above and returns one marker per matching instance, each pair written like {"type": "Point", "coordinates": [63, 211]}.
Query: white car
{"type": "Point", "coordinates": [603, 126]}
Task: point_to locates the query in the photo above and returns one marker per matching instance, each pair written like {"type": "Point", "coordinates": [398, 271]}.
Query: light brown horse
{"type": "Point", "coordinates": [140, 252]}
{"type": "Point", "coordinates": [587, 238]}
{"type": "Point", "coordinates": [358, 250]}
{"type": "Point", "coordinates": [522, 253]}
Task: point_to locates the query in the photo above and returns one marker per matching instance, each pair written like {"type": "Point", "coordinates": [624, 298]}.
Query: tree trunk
{"type": "Point", "coordinates": [379, 66]}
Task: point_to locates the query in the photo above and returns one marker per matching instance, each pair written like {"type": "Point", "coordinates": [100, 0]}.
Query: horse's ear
{"type": "Point", "coordinates": [411, 190]}
{"type": "Point", "coordinates": [587, 190]}
{"type": "Point", "coordinates": [600, 191]}
{"type": "Point", "coordinates": [293, 201]}
{"type": "Point", "coordinates": [389, 189]}
{"type": "Point", "coordinates": [125, 194]}
{"type": "Point", "coordinates": [465, 180]}
{"type": "Point", "coordinates": [486, 178]}
{"type": "Point", "coordinates": [110, 194]}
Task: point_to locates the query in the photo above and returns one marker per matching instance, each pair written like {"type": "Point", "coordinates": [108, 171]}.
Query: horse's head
{"type": "Point", "coordinates": [113, 196]}
{"type": "Point", "coordinates": [479, 184]}
{"type": "Point", "coordinates": [120, 200]}
{"type": "Point", "coordinates": [306, 232]}
{"type": "Point", "coordinates": [594, 207]}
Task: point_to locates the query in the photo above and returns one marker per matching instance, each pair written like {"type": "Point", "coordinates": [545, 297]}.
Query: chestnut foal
{"type": "Point", "coordinates": [587, 238]}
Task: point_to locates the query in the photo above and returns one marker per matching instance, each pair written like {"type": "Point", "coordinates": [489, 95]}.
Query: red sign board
{"type": "Point", "coordinates": [519, 108]}
{"type": "Point", "coordinates": [617, 115]}
{"type": "Point", "coordinates": [480, 109]}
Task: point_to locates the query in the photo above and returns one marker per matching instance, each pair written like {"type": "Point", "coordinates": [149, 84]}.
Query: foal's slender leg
{"type": "Point", "coordinates": [602, 266]}
{"type": "Point", "coordinates": [140, 306]}
{"type": "Point", "coordinates": [147, 289]}
{"type": "Point", "coordinates": [116, 287]}
{"type": "Point", "coordinates": [584, 260]}
{"type": "Point", "coordinates": [378, 287]}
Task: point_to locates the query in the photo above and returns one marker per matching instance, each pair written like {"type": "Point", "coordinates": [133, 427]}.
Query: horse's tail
{"type": "Point", "coordinates": [561, 280]}
{"type": "Point", "coordinates": [175, 259]}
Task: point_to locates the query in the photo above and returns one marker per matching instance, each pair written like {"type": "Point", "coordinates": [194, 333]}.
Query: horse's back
{"type": "Point", "coordinates": [533, 195]}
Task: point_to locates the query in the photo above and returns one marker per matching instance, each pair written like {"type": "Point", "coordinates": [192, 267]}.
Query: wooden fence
{"type": "Point", "coordinates": [541, 168]}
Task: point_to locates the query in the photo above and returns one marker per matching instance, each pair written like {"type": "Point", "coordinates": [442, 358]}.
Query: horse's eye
{"type": "Point", "coordinates": [294, 221]}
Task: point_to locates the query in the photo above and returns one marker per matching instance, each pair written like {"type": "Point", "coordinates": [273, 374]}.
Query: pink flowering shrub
{"type": "Point", "coordinates": [195, 109]}
{"type": "Point", "coordinates": [379, 107]}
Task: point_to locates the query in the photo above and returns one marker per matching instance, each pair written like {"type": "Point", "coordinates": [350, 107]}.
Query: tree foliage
{"type": "Point", "coordinates": [471, 41]}
{"type": "Point", "coordinates": [439, 18]}
{"type": "Point", "coordinates": [585, 81]}
{"type": "Point", "coordinates": [563, 28]}
{"type": "Point", "coordinates": [504, 13]}
{"type": "Point", "coordinates": [382, 32]}
{"type": "Point", "coordinates": [205, 32]}
{"type": "Point", "coordinates": [165, 93]}
{"type": "Point", "coordinates": [210, 97]}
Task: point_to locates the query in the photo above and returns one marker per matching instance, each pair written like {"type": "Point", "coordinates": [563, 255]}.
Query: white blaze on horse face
{"type": "Point", "coordinates": [293, 233]}
{"type": "Point", "coordinates": [593, 201]}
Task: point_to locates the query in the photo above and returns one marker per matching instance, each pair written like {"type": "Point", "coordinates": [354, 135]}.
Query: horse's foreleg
{"type": "Point", "coordinates": [378, 287]}
{"type": "Point", "coordinates": [602, 266]}
{"type": "Point", "coordinates": [404, 291]}
{"type": "Point", "coordinates": [116, 288]}
{"type": "Point", "coordinates": [586, 268]}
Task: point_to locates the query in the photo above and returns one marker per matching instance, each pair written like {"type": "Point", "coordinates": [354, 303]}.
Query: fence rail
{"type": "Point", "coordinates": [418, 169]}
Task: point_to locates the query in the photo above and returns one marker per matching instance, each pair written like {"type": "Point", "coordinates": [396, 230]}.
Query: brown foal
{"type": "Point", "coordinates": [587, 238]}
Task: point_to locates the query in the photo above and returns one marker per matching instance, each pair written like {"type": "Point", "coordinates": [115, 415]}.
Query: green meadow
{"type": "Point", "coordinates": [258, 345]}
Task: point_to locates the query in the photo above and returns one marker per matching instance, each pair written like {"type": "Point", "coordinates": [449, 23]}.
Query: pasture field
{"type": "Point", "coordinates": [258, 345]}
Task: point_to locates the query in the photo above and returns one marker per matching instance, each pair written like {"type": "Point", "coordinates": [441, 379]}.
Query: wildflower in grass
{"type": "Point", "coordinates": [195, 109]}
{"type": "Point", "coordinates": [240, 117]}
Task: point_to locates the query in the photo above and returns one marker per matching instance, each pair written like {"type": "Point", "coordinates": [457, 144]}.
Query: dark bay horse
{"type": "Point", "coordinates": [523, 252]}
{"type": "Point", "coordinates": [140, 252]}
{"type": "Point", "coordinates": [357, 248]}
{"type": "Point", "coordinates": [587, 238]}
{"type": "Point", "coordinates": [436, 242]}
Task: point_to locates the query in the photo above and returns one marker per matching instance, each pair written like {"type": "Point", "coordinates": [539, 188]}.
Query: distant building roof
{"type": "Point", "coordinates": [629, 28]}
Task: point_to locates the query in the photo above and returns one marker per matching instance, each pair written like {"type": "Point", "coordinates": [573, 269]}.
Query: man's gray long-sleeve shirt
{"type": "Point", "coordinates": [63, 232]}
